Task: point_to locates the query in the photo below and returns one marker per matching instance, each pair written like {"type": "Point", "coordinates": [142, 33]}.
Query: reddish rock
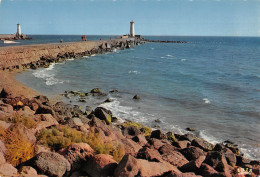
{"type": "Point", "coordinates": [103, 114]}
{"type": "Point", "coordinates": [206, 170]}
{"type": "Point", "coordinates": [7, 169]}
{"type": "Point", "coordinates": [156, 143]}
{"type": "Point", "coordinates": [175, 174]}
{"type": "Point", "coordinates": [140, 139]}
{"type": "Point", "coordinates": [149, 154]}
{"type": "Point", "coordinates": [188, 137]}
{"type": "Point", "coordinates": [100, 165]}
{"type": "Point", "coordinates": [129, 166]}
{"type": "Point", "coordinates": [28, 134]}
{"type": "Point", "coordinates": [34, 106]}
{"type": "Point", "coordinates": [2, 147]}
{"type": "Point", "coordinates": [202, 144]}
{"type": "Point", "coordinates": [172, 156]}
{"type": "Point", "coordinates": [192, 152]}
{"type": "Point", "coordinates": [167, 148]}
{"type": "Point", "coordinates": [193, 166]}
{"type": "Point", "coordinates": [218, 161]}
{"type": "Point", "coordinates": [49, 163]}
{"type": "Point", "coordinates": [157, 134]}
{"type": "Point", "coordinates": [4, 125]}
{"type": "Point", "coordinates": [28, 171]}
{"type": "Point", "coordinates": [131, 131]}
{"type": "Point", "coordinates": [77, 154]}
{"type": "Point", "coordinates": [2, 158]}
{"type": "Point", "coordinates": [182, 144]}
{"type": "Point", "coordinates": [44, 121]}
{"type": "Point", "coordinates": [131, 147]}
{"type": "Point", "coordinates": [242, 161]}
{"type": "Point", "coordinates": [26, 111]}
{"type": "Point", "coordinates": [41, 148]}
{"type": "Point", "coordinates": [230, 157]}
{"type": "Point", "coordinates": [6, 108]}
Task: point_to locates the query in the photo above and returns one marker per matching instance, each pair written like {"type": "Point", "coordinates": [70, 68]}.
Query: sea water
{"type": "Point", "coordinates": [210, 83]}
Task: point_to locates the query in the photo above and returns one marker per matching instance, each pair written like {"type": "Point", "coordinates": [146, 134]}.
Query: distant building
{"type": "Point", "coordinates": [132, 29]}
{"type": "Point", "coordinates": [18, 33]}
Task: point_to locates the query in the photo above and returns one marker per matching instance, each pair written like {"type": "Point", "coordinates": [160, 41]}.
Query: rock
{"type": "Point", "coordinates": [157, 120]}
{"type": "Point", "coordinates": [182, 144]}
{"type": "Point", "coordinates": [218, 161]}
{"type": "Point", "coordinates": [44, 121]}
{"type": "Point", "coordinates": [129, 166]}
{"type": "Point", "coordinates": [170, 136]}
{"type": "Point", "coordinates": [28, 171]}
{"type": "Point", "coordinates": [175, 174]}
{"type": "Point", "coordinates": [140, 139]}
{"type": "Point", "coordinates": [151, 155]}
{"type": "Point", "coordinates": [131, 147]}
{"type": "Point", "coordinates": [28, 134]}
{"type": "Point", "coordinates": [95, 90]}
{"type": "Point", "coordinates": [242, 161]}
{"type": "Point", "coordinates": [2, 158]}
{"type": "Point", "coordinates": [26, 111]}
{"type": "Point", "coordinates": [113, 91]}
{"type": "Point", "coordinates": [157, 134]}
{"type": "Point", "coordinates": [203, 144]}
{"type": "Point", "coordinates": [136, 97]}
{"type": "Point", "coordinates": [230, 157]}
{"type": "Point", "coordinates": [192, 152]}
{"type": "Point", "coordinates": [77, 154]}
{"type": "Point", "coordinates": [167, 148]}
{"type": "Point", "coordinates": [190, 129]}
{"type": "Point", "coordinates": [188, 137]}
{"type": "Point", "coordinates": [100, 165]}
{"type": "Point", "coordinates": [7, 169]}
{"type": "Point", "coordinates": [156, 143]}
{"type": "Point", "coordinates": [173, 157]}
{"type": "Point", "coordinates": [34, 106]}
{"type": "Point", "coordinates": [50, 163]}
{"type": "Point", "coordinates": [43, 99]}
{"type": "Point", "coordinates": [6, 108]}
{"type": "Point", "coordinates": [41, 148]}
{"type": "Point", "coordinates": [108, 100]}
{"type": "Point", "coordinates": [193, 166]}
{"type": "Point", "coordinates": [114, 119]}
{"type": "Point", "coordinates": [131, 131]}
{"type": "Point", "coordinates": [103, 115]}
{"type": "Point", "coordinates": [75, 123]}
{"type": "Point", "coordinates": [5, 93]}
{"type": "Point", "coordinates": [4, 125]}
{"type": "Point", "coordinates": [2, 147]}
{"type": "Point", "coordinates": [206, 170]}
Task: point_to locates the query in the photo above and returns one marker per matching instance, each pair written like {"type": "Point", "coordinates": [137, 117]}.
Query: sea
{"type": "Point", "coordinates": [211, 84]}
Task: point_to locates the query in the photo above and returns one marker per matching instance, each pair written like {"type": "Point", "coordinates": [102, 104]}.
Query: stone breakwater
{"type": "Point", "coordinates": [41, 55]}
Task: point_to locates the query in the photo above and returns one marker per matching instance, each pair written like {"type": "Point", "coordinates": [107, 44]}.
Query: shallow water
{"type": "Point", "coordinates": [211, 84]}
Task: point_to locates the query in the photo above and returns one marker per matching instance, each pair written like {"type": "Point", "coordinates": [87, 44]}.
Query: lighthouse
{"type": "Point", "coordinates": [132, 28]}
{"type": "Point", "coordinates": [18, 33]}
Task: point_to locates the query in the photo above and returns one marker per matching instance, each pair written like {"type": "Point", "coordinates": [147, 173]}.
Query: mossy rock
{"type": "Point", "coordinates": [146, 131]}
{"type": "Point", "coordinates": [170, 136]}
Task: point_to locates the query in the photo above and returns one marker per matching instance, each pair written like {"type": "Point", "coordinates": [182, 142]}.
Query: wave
{"type": "Point", "coordinates": [48, 75]}
{"type": "Point", "coordinates": [206, 100]}
{"type": "Point", "coordinates": [134, 72]}
{"type": "Point", "coordinates": [183, 59]}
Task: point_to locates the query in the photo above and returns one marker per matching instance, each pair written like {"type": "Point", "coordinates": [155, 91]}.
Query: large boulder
{"type": "Point", "coordinates": [192, 152]}
{"type": "Point", "coordinates": [77, 154]}
{"type": "Point", "coordinates": [28, 171]}
{"type": "Point", "coordinates": [44, 121]}
{"type": "Point", "coordinates": [7, 169]}
{"type": "Point", "coordinates": [140, 139]}
{"type": "Point", "coordinates": [175, 158]}
{"type": "Point", "coordinates": [2, 147]}
{"type": "Point", "coordinates": [129, 166]}
{"type": "Point", "coordinates": [149, 154]}
{"type": "Point", "coordinates": [206, 170]}
{"type": "Point", "coordinates": [218, 161]}
{"type": "Point", "coordinates": [131, 131]}
{"type": "Point", "coordinates": [103, 114]}
{"type": "Point", "coordinates": [193, 166]}
{"type": "Point", "coordinates": [50, 163]}
{"type": "Point", "coordinates": [158, 134]}
{"type": "Point", "coordinates": [2, 158]}
{"type": "Point", "coordinates": [100, 165]}
{"type": "Point", "coordinates": [131, 147]}
{"type": "Point", "coordinates": [202, 144]}
{"type": "Point", "coordinates": [28, 134]}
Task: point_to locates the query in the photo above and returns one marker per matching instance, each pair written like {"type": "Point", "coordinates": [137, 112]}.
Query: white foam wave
{"type": "Point", "coordinates": [93, 55]}
{"type": "Point", "coordinates": [183, 59]}
{"type": "Point", "coordinates": [70, 59]}
{"type": "Point", "coordinates": [169, 56]}
{"type": "Point", "coordinates": [152, 48]}
{"type": "Point", "coordinates": [85, 56]}
{"type": "Point", "coordinates": [134, 72]}
{"type": "Point", "coordinates": [47, 74]}
{"type": "Point", "coordinates": [206, 100]}
{"type": "Point", "coordinates": [206, 136]}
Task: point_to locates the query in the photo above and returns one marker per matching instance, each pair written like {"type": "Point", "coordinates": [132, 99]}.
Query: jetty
{"type": "Point", "coordinates": [147, 40]}
{"type": "Point", "coordinates": [41, 55]}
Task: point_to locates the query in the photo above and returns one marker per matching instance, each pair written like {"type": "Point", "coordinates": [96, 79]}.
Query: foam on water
{"type": "Point", "coordinates": [134, 72]}
{"type": "Point", "coordinates": [48, 74]}
{"type": "Point", "coordinates": [206, 100]}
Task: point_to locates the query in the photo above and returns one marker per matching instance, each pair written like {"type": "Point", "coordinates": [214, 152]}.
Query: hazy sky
{"type": "Point", "coordinates": [152, 17]}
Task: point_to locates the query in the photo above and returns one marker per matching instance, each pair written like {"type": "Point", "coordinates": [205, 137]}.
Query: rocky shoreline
{"type": "Point", "coordinates": [43, 138]}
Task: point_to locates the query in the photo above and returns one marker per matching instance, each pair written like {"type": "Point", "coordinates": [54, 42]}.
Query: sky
{"type": "Point", "coordinates": [151, 17]}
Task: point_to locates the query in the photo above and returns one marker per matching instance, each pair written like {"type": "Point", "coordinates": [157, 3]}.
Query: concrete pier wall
{"type": "Point", "coordinates": [17, 56]}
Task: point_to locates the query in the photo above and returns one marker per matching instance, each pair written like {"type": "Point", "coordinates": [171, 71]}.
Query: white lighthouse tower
{"type": "Point", "coordinates": [18, 33]}
{"type": "Point", "coordinates": [132, 28]}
